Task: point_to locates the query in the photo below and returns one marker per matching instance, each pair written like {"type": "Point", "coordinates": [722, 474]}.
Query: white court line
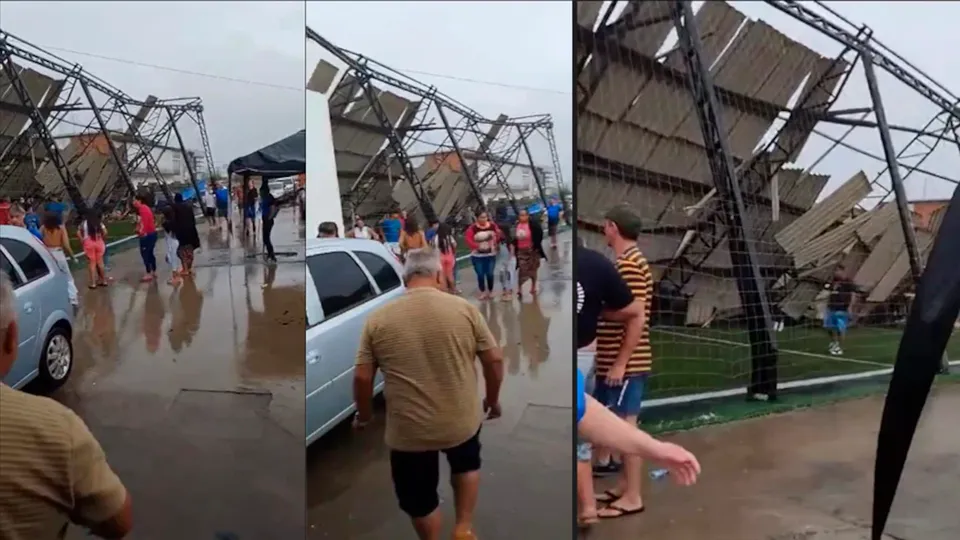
{"type": "Point", "coordinates": [800, 353]}
{"type": "Point", "coordinates": [742, 391]}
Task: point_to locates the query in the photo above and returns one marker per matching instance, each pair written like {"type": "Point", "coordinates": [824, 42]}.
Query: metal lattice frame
{"type": "Point", "coordinates": [496, 152]}
{"type": "Point", "coordinates": [60, 102]}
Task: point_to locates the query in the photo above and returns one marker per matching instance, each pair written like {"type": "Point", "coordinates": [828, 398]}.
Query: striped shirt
{"type": "Point", "coordinates": [635, 271]}
{"type": "Point", "coordinates": [426, 343]}
{"type": "Point", "coordinates": [53, 470]}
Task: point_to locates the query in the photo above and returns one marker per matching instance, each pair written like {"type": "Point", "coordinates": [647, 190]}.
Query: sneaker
{"type": "Point", "coordinates": [838, 351]}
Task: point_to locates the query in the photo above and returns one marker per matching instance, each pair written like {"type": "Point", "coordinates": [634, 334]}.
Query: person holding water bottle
{"type": "Point", "coordinates": [603, 297]}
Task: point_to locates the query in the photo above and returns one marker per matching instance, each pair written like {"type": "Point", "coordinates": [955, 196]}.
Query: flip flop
{"type": "Point", "coordinates": [606, 497]}
{"type": "Point", "coordinates": [620, 511]}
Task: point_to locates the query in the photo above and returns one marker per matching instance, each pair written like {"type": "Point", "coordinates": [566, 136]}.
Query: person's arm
{"type": "Point", "coordinates": [491, 362]}
{"type": "Point", "coordinates": [364, 373]}
{"type": "Point", "coordinates": [100, 501]}
{"type": "Point", "coordinates": [602, 427]}
{"type": "Point", "coordinates": [468, 237]}
{"type": "Point", "coordinates": [65, 242]}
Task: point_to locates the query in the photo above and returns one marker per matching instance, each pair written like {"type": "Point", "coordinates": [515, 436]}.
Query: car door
{"type": "Point", "coordinates": [27, 272]}
{"type": "Point", "coordinates": [342, 289]}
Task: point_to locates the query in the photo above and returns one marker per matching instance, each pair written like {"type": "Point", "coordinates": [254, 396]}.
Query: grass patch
{"type": "Point", "coordinates": [693, 360]}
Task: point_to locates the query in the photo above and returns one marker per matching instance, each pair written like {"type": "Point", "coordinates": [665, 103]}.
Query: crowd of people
{"type": "Point", "coordinates": [504, 254]}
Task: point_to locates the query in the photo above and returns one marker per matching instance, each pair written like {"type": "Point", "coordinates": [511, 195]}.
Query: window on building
{"type": "Point", "coordinates": [176, 163]}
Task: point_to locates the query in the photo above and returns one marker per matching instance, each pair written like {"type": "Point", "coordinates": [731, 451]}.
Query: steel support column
{"type": "Point", "coordinates": [893, 168]}
{"type": "Point", "coordinates": [746, 270]}
{"type": "Point", "coordinates": [533, 168]}
{"type": "Point", "coordinates": [186, 160]}
{"type": "Point", "coordinates": [147, 156]}
{"type": "Point", "coordinates": [121, 167]}
{"type": "Point", "coordinates": [464, 166]}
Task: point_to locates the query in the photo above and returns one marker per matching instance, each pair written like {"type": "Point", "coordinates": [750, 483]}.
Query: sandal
{"type": "Point", "coordinates": [92, 286]}
{"type": "Point", "coordinates": [620, 511]}
{"type": "Point", "coordinates": [102, 284]}
{"type": "Point", "coordinates": [606, 497]}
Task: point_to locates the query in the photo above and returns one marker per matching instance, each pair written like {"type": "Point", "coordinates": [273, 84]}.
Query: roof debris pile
{"type": "Point", "coordinates": [640, 140]}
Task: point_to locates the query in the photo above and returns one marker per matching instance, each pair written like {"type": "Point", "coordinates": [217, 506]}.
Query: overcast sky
{"type": "Point", "coordinates": [524, 46]}
{"type": "Point", "coordinates": [252, 41]}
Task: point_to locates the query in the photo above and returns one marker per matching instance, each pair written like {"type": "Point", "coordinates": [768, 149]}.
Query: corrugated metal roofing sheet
{"type": "Point", "coordinates": [799, 301]}
{"type": "Point", "coordinates": [37, 85]}
{"type": "Point", "coordinates": [587, 12]}
{"type": "Point", "coordinates": [880, 221]}
{"type": "Point", "coordinates": [322, 77]}
{"type": "Point", "coordinates": [648, 39]}
{"type": "Point", "coordinates": [881, 257]}
{"type": "Point", "coordinates": [824, 214]}
{"type": "Point", "coordinates": [717, 23]}
{"type": "Point", "coordinates": [829, 243]}
{"type": "Point", "coordinates": [900, 269]}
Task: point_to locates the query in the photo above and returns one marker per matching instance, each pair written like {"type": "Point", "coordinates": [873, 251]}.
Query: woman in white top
{"type": "Point", "coordinates": [360, 230]}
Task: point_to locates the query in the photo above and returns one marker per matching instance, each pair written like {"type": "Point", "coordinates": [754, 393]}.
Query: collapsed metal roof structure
{"type": "Point", "coordinates": [41, 93]}
{"type": "Point", "coordinates": [700, 139]}
{"type": "Point", "coordinates": [383, 121]}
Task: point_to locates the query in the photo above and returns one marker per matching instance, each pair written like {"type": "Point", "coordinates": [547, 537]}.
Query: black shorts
{"type": "Point", "coordinates": [552, 227]}
{"type": "Point", "coordinates": [209, 211]}
{"type": "Point", "coordinates": [416, 475]}
{"type": "Point", "coordinates": [222, 212]}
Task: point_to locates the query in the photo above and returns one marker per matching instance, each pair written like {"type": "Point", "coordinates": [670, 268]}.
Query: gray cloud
{"type": "Point", "coordinates": [255, 41]}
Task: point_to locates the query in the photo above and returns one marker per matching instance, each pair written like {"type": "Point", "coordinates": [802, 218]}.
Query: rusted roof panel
{"type": "Point", "coordinates": [717, 23]}
{"type": "Point", "coordinates": [881, 258]}
{"type": "Point", "coordinates": [37, 85]}
{"type": "Point", "coordinates": [899, 269]}
{"type": "Point", "coordinates": [322, 77]}
{"type": "Point", "coordinates": [800, 300]}
{"type": "Point", "coordinates": [880, 221]}
{"type": "Point", "coordinates": [648, 39]}
{"type": "Point", "coordinates": [588, 12]}
{"type": "Point", "coordinates": [616, 90]}
{"type": "Point", "coordinates": [829, 243]}
{"type": "Point", "coordinates": [824, 214]}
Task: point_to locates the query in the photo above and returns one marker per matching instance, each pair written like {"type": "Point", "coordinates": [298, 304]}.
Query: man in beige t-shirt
{"type": "Point", "coordinates": [52, 470]}
{"type": "Point", "coordinates": [426, 343]}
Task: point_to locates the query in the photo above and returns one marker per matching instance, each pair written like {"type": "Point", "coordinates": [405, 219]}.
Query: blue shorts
{"type": "Point", "coordinates": [836, 320]}
{"type": "Point", "coordinates": [624, 400]}
{"type": "Point", "coordinates": [250, 212]}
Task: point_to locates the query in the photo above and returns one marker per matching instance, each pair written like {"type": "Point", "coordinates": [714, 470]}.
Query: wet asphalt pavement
{"type": "Point", "coordinates": [196, 392]}
{"type": "Point", "coordinates": [805, 475]}
{"type": "Point", "coordinates": [527, 477]}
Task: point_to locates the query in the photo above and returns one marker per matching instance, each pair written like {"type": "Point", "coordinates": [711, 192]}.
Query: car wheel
{"type": "Point", "coordinates": [56, 361]}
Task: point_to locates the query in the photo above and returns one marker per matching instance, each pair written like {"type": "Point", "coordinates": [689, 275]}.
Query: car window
{"type": "Point", "coordinates": [31, 263]}
{"type": "Point", "coordinates": [340, 283]}
{"type": "Point", "coordinates": [382, 271]}
{"type": "Point", "coordinates": [10, 271]}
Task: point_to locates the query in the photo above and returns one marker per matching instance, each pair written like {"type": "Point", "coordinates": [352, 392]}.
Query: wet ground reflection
{"type": "Point", "coordinates": [528, 455]}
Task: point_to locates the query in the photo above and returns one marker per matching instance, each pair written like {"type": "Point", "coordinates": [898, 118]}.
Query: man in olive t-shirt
{"type": "Point", "coordinates": [426, 343]}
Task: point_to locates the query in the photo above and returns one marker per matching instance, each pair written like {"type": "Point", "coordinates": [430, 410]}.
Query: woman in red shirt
{"type": "Point", "coordinates": [147, 232]}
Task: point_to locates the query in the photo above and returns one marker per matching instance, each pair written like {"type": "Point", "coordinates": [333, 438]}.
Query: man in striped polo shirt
{"type": "Point", "coordinates": [621, 379]}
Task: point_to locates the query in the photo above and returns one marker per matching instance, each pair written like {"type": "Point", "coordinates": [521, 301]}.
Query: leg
{"type": "Point", "coordinates": [603, 458]}
{"type": "Point", "coordinates": [478, 270]}
{"type": "Point", "coordinates": [586, 502]}
{"type": "Point", "coordinates": [464, 461]}
{"type": "Point", "coordinates": [151, 247]}
{"type": "Point", "coordinates": [267, 242]}
{"type": "Point", "coordinates": [415, 479]}
{"type": "Point", "coordinates": [92, 271]}
{"type": "Point", "coordinates": [488, 272]}
{"type": "Point", "coordinates": [628, 407]}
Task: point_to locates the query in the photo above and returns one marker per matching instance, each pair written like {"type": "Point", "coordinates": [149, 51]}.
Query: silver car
{"type": "Point", "coordinates": [348, 279]}
{"type": "Point", "coordinates": [45, 316]}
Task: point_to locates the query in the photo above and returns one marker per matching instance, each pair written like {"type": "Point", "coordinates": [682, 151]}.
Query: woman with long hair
{"type": "Point", "coordinates": [506, 264]}
{"type": "Point", "coordinates": [482, 237]}
{"type": "Point", "coordinates": [446, 245]}
{"type": "Point", "coordinates": [55, 237]}
{"type": "Point", "coordinates": [411, 238]}
{"type": "Point", "coordinates": [92, 236]}
{"type": "Point", "coordinates": [528, 245]}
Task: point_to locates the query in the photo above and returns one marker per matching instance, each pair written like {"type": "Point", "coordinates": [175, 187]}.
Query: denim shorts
{"type": "Point", "coordinates": [585, 361]}
{"type": "Point", "coordinates": [624, 400]}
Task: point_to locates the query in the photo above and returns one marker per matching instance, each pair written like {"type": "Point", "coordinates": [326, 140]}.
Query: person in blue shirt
{"type": "Point", "coordinates": [56, 208]}
{"type": "Point", "coordinates": [431, 231]}
{"type": "Point", "coordinates": [390, 229]}
{"type": "Point", "coordinates": [554, 210]}
{"type": "Point", "coordinates": [222, 195]}
{"type": "Point", "coordinates": [32, 221]}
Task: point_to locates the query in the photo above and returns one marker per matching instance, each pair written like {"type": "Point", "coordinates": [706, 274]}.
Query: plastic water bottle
{"type": "Point", "coordinates": [659, 474]}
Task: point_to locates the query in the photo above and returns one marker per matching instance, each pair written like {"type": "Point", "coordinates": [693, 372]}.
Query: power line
{"type": "Point", "coordinates": [284, 87]}
{"type": "Point", "coordinates": [175, 70]}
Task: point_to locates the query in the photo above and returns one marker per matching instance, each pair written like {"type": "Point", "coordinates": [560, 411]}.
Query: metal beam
{"type": "Point", "coordinates": [743, 254]}
{"type": "Point", "coordinates": [533, 170]}
{"type": "Point", "coordinates": [186, 159]}
{"type": "Point", "coordinates": [464, 166]}
{"type": "Point", "coordinates": [121, 168]}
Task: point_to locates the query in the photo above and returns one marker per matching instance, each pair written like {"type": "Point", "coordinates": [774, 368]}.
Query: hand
{"type": "Point", "coordinates": [359, 424]}
{"type": "Point", "coordinates": [616, 373]}
{"type": "Point", "coordinates": [491, 410]}
{"type": "Point", "coordinates": [683, 465]}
